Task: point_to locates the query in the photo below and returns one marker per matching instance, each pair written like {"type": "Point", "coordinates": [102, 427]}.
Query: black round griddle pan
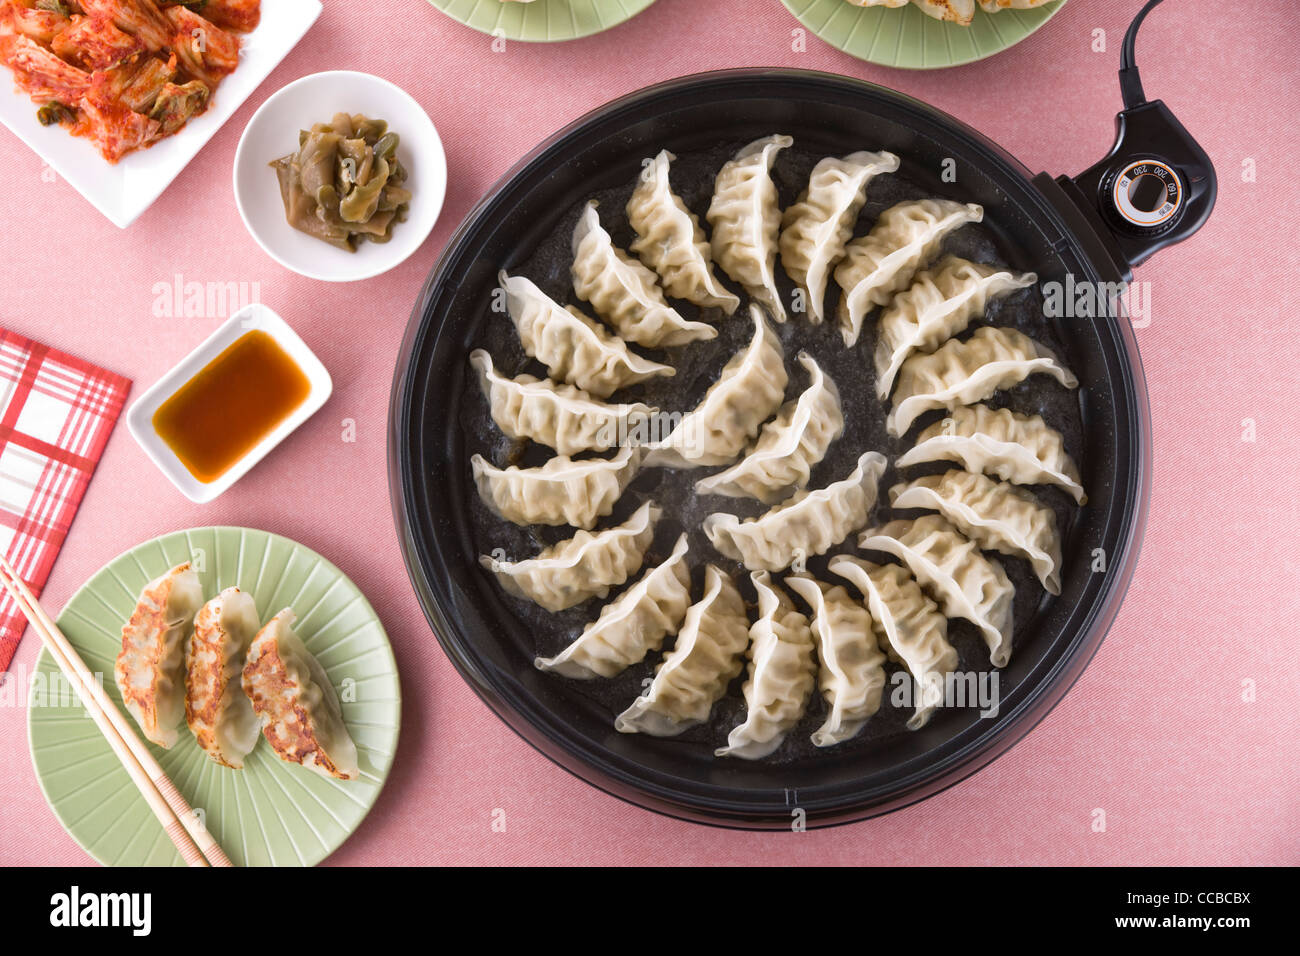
{"type": "Point", "coordinates": [1058, 228]}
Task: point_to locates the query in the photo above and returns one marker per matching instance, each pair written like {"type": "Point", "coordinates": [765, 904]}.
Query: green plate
{"type": "Point", "coordinates": [907, 38]}
{"type": "Point", "coordinates": [542, 21]}
{"type": "Point", "coordinates": [271, 813]}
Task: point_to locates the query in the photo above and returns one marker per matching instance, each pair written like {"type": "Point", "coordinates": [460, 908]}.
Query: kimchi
{"type": "Point", "coordinates": [122, 73]}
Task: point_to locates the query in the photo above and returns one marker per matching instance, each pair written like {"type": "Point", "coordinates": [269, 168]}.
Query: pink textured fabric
{"type": "Point", "coordinates": [1157, 733]}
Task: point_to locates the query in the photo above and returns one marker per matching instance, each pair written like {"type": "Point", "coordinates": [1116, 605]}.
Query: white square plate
{"type": "Point", "coordinates": [123, 191]}
{"type": "Point", "coordinates": [139, 417]}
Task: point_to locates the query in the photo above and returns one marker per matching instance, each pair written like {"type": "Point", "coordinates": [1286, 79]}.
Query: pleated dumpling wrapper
{"type": "Point", "coordinates": [216, 708]}
{"type": "Point", "coordinates": [296, 703]}
{"type": "Point", "coordinates": [150, 668]}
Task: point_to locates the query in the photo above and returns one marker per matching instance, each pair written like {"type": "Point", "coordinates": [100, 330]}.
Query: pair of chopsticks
{"type": "Point", "coordinates": [181, 823]}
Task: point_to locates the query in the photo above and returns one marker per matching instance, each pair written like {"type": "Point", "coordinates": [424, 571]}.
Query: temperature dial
{"type": "Point", "coordinates": [1147, 194]}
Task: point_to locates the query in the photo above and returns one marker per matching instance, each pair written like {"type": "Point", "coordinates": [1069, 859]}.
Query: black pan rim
{"type": "Point", "coordinates": [545, 733]}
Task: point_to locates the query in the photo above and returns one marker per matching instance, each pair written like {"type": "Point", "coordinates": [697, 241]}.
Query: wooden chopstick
{"type": "Point", "coordinates": [181, 823]}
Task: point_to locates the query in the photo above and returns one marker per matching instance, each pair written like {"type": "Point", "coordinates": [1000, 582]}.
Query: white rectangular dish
{"type": "Point", "coordinates": [125, 190]}
{"type": "Point", "coordinates": [139, 418]}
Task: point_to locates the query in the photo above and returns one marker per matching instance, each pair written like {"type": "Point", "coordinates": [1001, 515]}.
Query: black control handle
{"type": "Point", "coordinates": [1155, 187]}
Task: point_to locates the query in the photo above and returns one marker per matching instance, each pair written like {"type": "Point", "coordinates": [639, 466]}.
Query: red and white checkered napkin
{"type": "Point", "coordinates": [56, 413]}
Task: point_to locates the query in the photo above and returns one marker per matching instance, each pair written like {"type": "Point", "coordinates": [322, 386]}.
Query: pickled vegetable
{"type": "Point", "coordinates": [344, 185]}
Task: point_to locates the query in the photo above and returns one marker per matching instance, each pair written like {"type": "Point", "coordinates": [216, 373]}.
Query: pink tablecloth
{"type": "Point", "coordinates": [1183, 730]}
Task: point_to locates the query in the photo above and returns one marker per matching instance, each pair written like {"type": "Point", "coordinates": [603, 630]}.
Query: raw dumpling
{"type": "Point", "coordinates": [788, 447]}
{"type": "Point", "coordinates": [708, 655]}
{"type": "Point", "coordinates": [938, 305]}
{"type": "Point", "coordinates": [954, 11]}
{"type": "Point", "coordinates": [908, 625]}
{"type": "Point", "coordinates": [630, 626]}
{"type": "Point", "coordinates": [560, 416]}
{"type": "Point", "coordinates": [1019, 448]}
{"type": "Point", "coordinates": [781, 674]}
{"type": "Point", "coordinates": [624, 292]}
{"type": "Point", "coordinates": [883, 261]}
{"type": "Point", "coordinates": [150, 668]}
{"type": "Point", "coordinates": [216, 707]}
{"type": "Point", "coordinates": [852, 673]}
{"type": "Point", "coordinates": [296, 703]}
{"type": "Point", "coordinates": [746, 219]}
{"type": "Point", "coordinates": [582, 567]}
{"type": "Point", "coordinates": [748, 391]}
{"type": "Point", "coordinates": [810, 523]}
{"type": "Point", "coordinates": [562, 491]}
{"type": "Point", "coordinates": [572, 346]}
{"type": "Point", "coordinates": [962, 373]}
{"type": "Point", "coordinates": [815, 229]}
{"type": "Point", "coordinates": [670, 240]}
{"type": "Point", "coordinates": [995, 515]}
{"type": "Point", "coordinates": [950, 565]}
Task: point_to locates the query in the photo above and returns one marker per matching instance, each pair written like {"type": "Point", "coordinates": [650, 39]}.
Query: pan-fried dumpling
{"type": "Point", "coordinates": [561, 416]}
{"type": "Point", "coordinates": [670, 240]}
{"type": "Point", "coordinates": [694, 675]}
{"type": "Point", "coordinates": [909, 626]}
{"type": "Point", "coordinates": [882, 262]}
{"type": "Point", "coordinates": [630, 626]}
{"type": "Point", "coordinates": [150, 668]}
{"type": "Point", "coordinates": [1018, 448]}
{"type": "Point", "coordinates": [809, 523]}
{"type": "Point", "coordinates": [815, 229]}
{"type": "Point", "coordinates": [954, 11]}
{"type": "Point", "coordinates": [297, 705]}
{"type": "Point", "coordinates": [582, 567]}
{"type": "Point", "coordinates": [962, 373]}
{"type": "Point", "coordinates": [572, 346]}
{"type": "Point", "coordinates": [562, 491]}
{"type": "Point", "coordinates": [217, 710]}
{"type": "Point", "coordinates": [993, 514]}
{"type": "Point", "coordinates": [624, 292]}
{"type": "Point", "coordinates": [996, 6]}
{"type": "Point", "coordinates": [748, 391]}
{"type": "Point", "coordinates": [852, 673]}
{"type": "Point", "coordinates": [745, 220]}
{"type": "Point", "coordinates": [950, 566]}
{"type": "Point", "coordinates": [788, 447]}
{"type": "Point", "coordinates": [938, 305]}
{"type": "Point", "coordinates": [782, 673]}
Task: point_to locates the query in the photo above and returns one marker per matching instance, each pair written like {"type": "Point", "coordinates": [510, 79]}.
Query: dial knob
{"type": "Point", "coordinates": [1146, 195]}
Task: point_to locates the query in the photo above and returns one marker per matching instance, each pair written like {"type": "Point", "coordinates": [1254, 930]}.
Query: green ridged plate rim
{"type": "Point", "coordinates": [906, 38]}
{"type": "Point", "coordinates": [542, 21]}
{"type": "Point", "coordinates": [271, 813]}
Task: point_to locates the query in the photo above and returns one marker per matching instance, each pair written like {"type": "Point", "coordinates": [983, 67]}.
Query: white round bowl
{"type": "Point", "coordinates": [273, 132]}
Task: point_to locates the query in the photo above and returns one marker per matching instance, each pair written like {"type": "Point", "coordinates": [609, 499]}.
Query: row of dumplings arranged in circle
{"type": "Point", "coordinates": [841, 647]}
{"type": "Point", "coordinates": [231, 679]}
{"type": "Point", "coordinates": [591, 364]}
{"type": "Point", "coordinates": [587, 362]}
{"type": "Point", "coordinates": [939, 554]}
{"type": "Point", "coordinates": [814, 240]}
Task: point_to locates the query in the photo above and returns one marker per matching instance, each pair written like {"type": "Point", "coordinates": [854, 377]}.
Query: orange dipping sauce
{"type": "Point", "coordinates": [236, 400]}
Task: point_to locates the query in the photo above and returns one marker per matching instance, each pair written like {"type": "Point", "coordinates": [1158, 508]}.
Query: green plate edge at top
{"type": "Point", "coordinates": [542, 21]}
{"type": "Point", "coordinates": [906, 38]}
{"type": "Point", "coordinates": [271, 813]}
